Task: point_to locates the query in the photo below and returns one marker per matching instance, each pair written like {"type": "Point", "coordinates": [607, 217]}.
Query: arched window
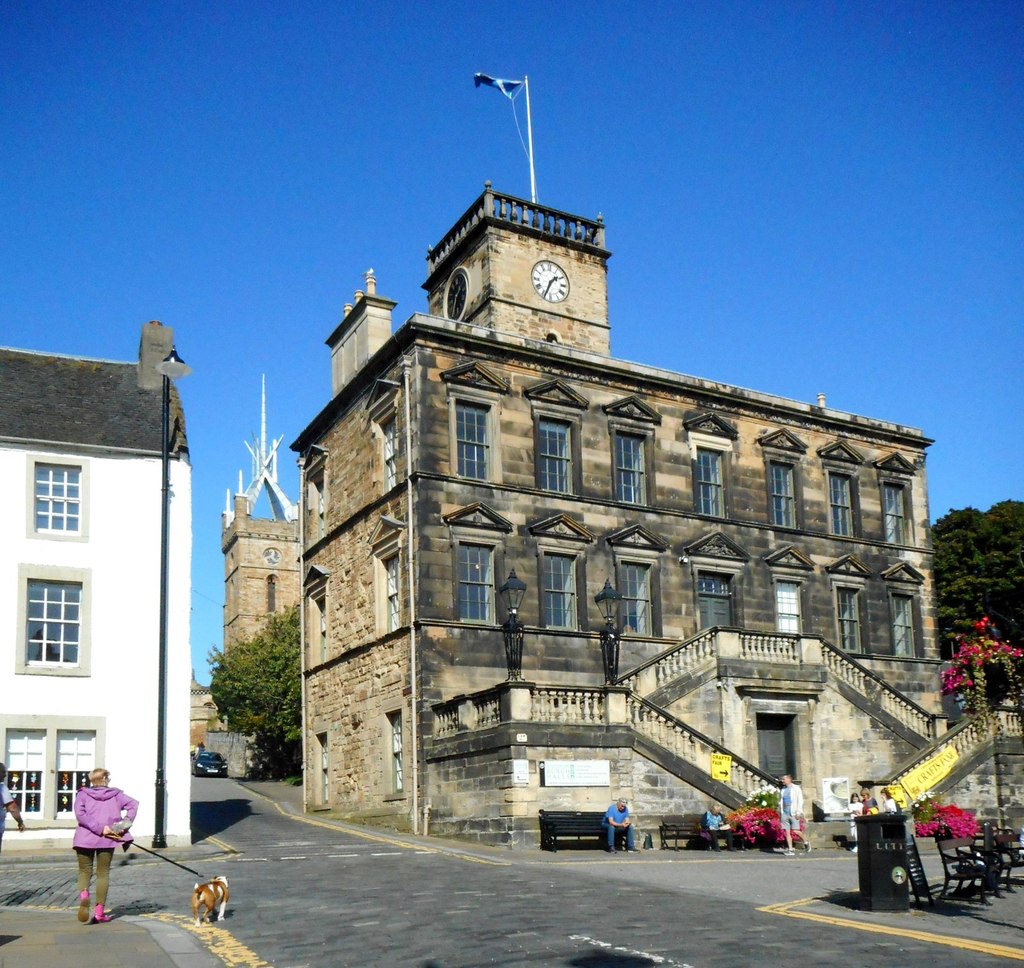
{"type": "Point", "coordinates": [272, 593]}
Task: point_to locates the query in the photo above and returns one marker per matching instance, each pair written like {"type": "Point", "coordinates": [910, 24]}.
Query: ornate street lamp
{"type": "Point", "coordinates": [512, 593]}
{"type": "Point", "coordinates": [172, 367]}
{"type": "Point", "coordinates": [608, 601]}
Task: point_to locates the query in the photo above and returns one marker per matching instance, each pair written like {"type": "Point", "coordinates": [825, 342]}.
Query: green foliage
{"type": "Point", "coordinates": [979, 568]}
{"type": "Point", "coordinates": [256, 685]}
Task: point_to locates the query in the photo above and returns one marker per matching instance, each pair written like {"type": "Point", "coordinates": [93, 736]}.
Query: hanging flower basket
{"type": "Point", "coordinates": [985, 671]}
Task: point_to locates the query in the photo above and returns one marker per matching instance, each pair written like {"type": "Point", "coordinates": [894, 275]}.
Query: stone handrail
{"type": "Point", "coordinates": [966, 736]}
{"type": "Point", "coordinates": [692, 746]}
{"type": "Point", "coordinates": [700, 650]}
{"type": "Point", "coordinates": [563, 705]}
{"type": "Point", "coordinates": [517, 211]}
{"type": "Point", "coordinates": [867, 683]}
{"type": "Point", "coordinates": [777, 647]}
{"type": "Point", "coordinates": [553, 704]}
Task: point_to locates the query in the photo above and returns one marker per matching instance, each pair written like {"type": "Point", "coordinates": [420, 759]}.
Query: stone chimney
{"type": "Point", "coordinates": [155, 344]}
{"type": "Point", "coordinates": [365, 328]}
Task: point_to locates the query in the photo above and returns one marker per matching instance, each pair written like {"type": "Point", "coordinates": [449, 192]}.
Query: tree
{"type": "Point", "coordinates": [256, 685]}
{"type": "Point", "coordinates": [979, 568]}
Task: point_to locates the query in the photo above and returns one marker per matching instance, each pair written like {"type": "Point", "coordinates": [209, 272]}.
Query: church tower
{"type": "Point", "coordinates": [261, 555]}
{"type": "Point", "coordinates": [516, 267]}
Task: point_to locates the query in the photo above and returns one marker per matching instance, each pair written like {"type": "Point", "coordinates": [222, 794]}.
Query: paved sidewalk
{"type": "Point", "coordinates": [40, 938]}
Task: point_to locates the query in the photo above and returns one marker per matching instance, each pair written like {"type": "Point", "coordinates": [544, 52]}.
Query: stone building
{"type": "Point", "coordinates": [261, 555]}
{"type": "Point", "coordinates": [769, 558]}
{"type": "Point", "coordinates": [80, 467]}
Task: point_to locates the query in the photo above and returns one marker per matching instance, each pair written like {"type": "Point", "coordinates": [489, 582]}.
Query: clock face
{"type": "Point", "coordinates": [550, 281]}
{"type": "Point", "coordinates": [272, 556]}
{"type": "Point", "coordinates": [457, 289]}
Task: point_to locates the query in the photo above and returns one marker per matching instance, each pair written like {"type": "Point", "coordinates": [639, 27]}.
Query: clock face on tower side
{"type": "Point", "coordinates": [272, 557]}
{"type": "Point", "coordinates": [550, 281]}
{"type": "Point", "coordinates": [458, 287]}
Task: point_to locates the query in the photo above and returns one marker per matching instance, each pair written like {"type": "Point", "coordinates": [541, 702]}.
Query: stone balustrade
{"type": "Point", "coordinates": [517, 211]}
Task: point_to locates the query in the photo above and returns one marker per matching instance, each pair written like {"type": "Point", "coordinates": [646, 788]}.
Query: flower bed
{"type": "Point", "coordinates": [932, 818]}
{"type": "Point", "coordinates": [757, 821]}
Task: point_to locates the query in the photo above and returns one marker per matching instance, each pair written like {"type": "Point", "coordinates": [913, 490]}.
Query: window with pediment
{"type": "Point", "coordinates": [710, 437]}
{"type": "Point", "coordinates": [477, 535]}
{"type": "Point", "coordinates": [556, 413]}
{"type": "Point", "coordinates": [474, 398]}
{"type": "Point", "coordinates": [631, 424]}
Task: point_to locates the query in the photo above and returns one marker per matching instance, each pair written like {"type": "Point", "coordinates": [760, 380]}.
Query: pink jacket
{"type": "Point", "coordinates": [99, 807]}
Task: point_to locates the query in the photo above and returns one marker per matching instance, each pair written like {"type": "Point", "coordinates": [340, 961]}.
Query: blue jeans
{"type": "Point", "coordinates": [614, 832]}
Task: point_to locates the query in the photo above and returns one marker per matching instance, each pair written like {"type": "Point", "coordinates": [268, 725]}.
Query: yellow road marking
{"type": "Point", "coordinates": [217, 940]}
{"type": "Point", "coordinates": [788, 909]}
{"type": "Point", "coordinates": [373, 838]}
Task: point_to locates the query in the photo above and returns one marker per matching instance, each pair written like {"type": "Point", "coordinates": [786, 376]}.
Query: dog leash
{"type": "Point", "coordinates": [135, 843]}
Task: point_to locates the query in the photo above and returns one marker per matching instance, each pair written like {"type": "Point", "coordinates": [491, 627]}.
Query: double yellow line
{"type": "Point", "coordinates": [789, 910]}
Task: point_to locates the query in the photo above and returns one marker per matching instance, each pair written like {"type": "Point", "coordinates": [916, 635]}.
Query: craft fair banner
{"type": "Point", "coordinates": [922, 778]}
{"type": "Point", "coordinates": [721, 767]}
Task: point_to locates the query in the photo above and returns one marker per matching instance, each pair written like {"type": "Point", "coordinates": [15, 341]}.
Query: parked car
{"type": "Point", "coordinates": [209, 763]}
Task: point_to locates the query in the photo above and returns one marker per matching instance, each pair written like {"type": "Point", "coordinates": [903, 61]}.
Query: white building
{"type": "Point", "coordinates": [80, 482]}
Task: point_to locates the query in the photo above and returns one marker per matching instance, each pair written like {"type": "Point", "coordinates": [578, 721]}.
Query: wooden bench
{"type": "Point", "coordinates": [1010, 852]}
{"type": "Point", "coordinates": [685, 827]}
{"type": "Point", "coordinates": [965, 867]}
{"type": "Point", "coordinates": [581, 824]}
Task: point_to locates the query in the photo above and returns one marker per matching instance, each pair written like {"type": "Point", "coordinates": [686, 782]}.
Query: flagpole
{"type": "Point", "coordinates": [529, 141]}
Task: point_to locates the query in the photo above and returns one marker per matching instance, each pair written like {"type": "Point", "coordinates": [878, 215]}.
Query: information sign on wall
{"type": "Point", "coordinates": [576, 773]}
{"type": "Point", "coordinates": [520, 772]}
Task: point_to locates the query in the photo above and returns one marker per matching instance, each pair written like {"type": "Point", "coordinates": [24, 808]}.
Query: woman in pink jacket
{"type": "Point", "coordinates": [104, 815]}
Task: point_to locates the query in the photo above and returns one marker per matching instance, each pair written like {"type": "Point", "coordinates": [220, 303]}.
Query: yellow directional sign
{"type": "Point", "coordinates": [922, 778]}
{"type": "Point", "coordinates": [721, 767]}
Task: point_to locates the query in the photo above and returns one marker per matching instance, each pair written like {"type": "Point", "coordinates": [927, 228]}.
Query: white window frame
{"type": "Point", "coordinates": [638, 487]}
{"type": "Point", "coordinates": [81, 533]}
{"type": "Point", "coordinates": [54, 575]}
{"type": "Point", "coordinates": [571, 608]}
{"type": "Point", "coordinates": [76, 758]}
{"type": "Point", "coordinates": [788, 611]}
{"type": "Point", "coordinates": [487, 583]}
{"type": "Point", "coordinates": [563, 463]}
{"type": "Point", "coordinates": [900, 534]}
{"type": "Point", "coordinates": [709, 490]}
{"type": "Point", "coordinates": [901, 632]}
{"type": "Point", "coordinates": [646, 607]}
{"type": "Point", "coordinates": [857, 591]}
{"type": "Point", "coordinates": [51, 728]}
{"type": "Point", "coordinates": [395, 752]}
{"type": "Point", "coordinates": [841, 514]}
{"type": "Point", "coordinates": [787, 501]}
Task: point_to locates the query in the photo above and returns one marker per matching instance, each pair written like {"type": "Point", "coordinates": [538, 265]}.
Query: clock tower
{"type": "Point", "coordinates": [516, 267]}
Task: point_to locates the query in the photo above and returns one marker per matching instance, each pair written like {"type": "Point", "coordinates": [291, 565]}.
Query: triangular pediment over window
{"type": "Point", "coordinates": [557, 393]}
{"type": "Point", "coordinates": [789, 557]}
{"type": "Point", "coordinates": [716, 545]}
{"type": "Point", "coordinates": [561, 526]}
{"type": "Point", "coordinates": [478, 516]}
{"type": "Point", "coordinates": [636, 536]}
{"type": "Point", "coordinates": [475, 375]}
{"type": "Point", "coordinates": [902, 571]}
{"type": "Point", "coordinates": [315, 577]}
{"type": "Point", "coordinates": [711, 423]}
{"type": "Point", "coordinates": [842, 451]}
{"type": "Point", "coordinates": [783, 440]}
{"type": "Point", "coordinates": [387, 530]}
{"type": "Point", "coordinates": [632, 408]}
{"type": "Point", "coordinates": [383, 391]}
{"type": "Point", "coordinates": [895, 463]}
{"type": "Point", "coordinates": [849, 565]}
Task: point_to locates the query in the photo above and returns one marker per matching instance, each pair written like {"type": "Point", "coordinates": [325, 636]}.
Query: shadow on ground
{"type": "Point", "coordinates": [212, 817]}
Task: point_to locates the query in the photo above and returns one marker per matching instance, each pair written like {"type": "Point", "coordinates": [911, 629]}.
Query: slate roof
{"type": "Point", "coordinates": [75, 400]}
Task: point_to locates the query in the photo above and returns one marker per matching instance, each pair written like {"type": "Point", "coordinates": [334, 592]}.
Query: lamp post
{"type": "Point", "coordinates": [172, 367]}
{"type": "Point", "coordinates": [512, 593]}
{"type": "Point", "coordinates": [608, 601]}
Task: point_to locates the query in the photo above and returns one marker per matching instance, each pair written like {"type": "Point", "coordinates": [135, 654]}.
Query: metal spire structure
{"type": "Point", "coordinates": [264, 470]}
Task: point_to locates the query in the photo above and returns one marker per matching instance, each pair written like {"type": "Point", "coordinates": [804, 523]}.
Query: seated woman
{"type": "Point", "coordinates": [714, 823]}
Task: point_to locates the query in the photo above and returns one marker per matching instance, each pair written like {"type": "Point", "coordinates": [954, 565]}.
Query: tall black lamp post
{"type": "Point", "coordinates": [608, 601]}
{"type": "Point", "coordinates": [172, 367]}
{"type": "Point", "coordinates": [512, 593]}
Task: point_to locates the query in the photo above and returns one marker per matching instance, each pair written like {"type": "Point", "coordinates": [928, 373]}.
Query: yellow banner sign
{"type": "Point", "coordinates": [922, 778]}
{"type": "Point", "coordinates": [721, 767]}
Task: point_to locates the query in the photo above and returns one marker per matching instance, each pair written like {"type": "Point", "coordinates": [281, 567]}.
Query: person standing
{"type": "Point", "coordinates": [856, 809]}
{"type": "Point", "coordinates": [104, 814]}
{"type": "Point", "coordinates": [8, 805]}
{"type": "Point", "coordinates": [791, 810]}
{"type": "Point", "coordinates": [617, 819]}
{"type": "Point", "coordinates": [889, 804]}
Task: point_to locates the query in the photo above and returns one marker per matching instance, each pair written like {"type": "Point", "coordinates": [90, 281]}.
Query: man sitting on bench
{"type": "Point", "coordinates": [715, 825]}
{"type": "Point", "coordinates": [616, 822]}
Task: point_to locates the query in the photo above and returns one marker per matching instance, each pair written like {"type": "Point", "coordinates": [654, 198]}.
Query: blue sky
{"type": "Point", "coordinates": [800, 198]}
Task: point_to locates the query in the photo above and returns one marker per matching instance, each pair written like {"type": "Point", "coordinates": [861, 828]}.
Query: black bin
{"type": "Point", "coordinates": [882, 862]}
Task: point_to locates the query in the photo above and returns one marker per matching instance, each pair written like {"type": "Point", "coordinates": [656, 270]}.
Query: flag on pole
{"type": "Point", "coordinates": [508, 88]}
